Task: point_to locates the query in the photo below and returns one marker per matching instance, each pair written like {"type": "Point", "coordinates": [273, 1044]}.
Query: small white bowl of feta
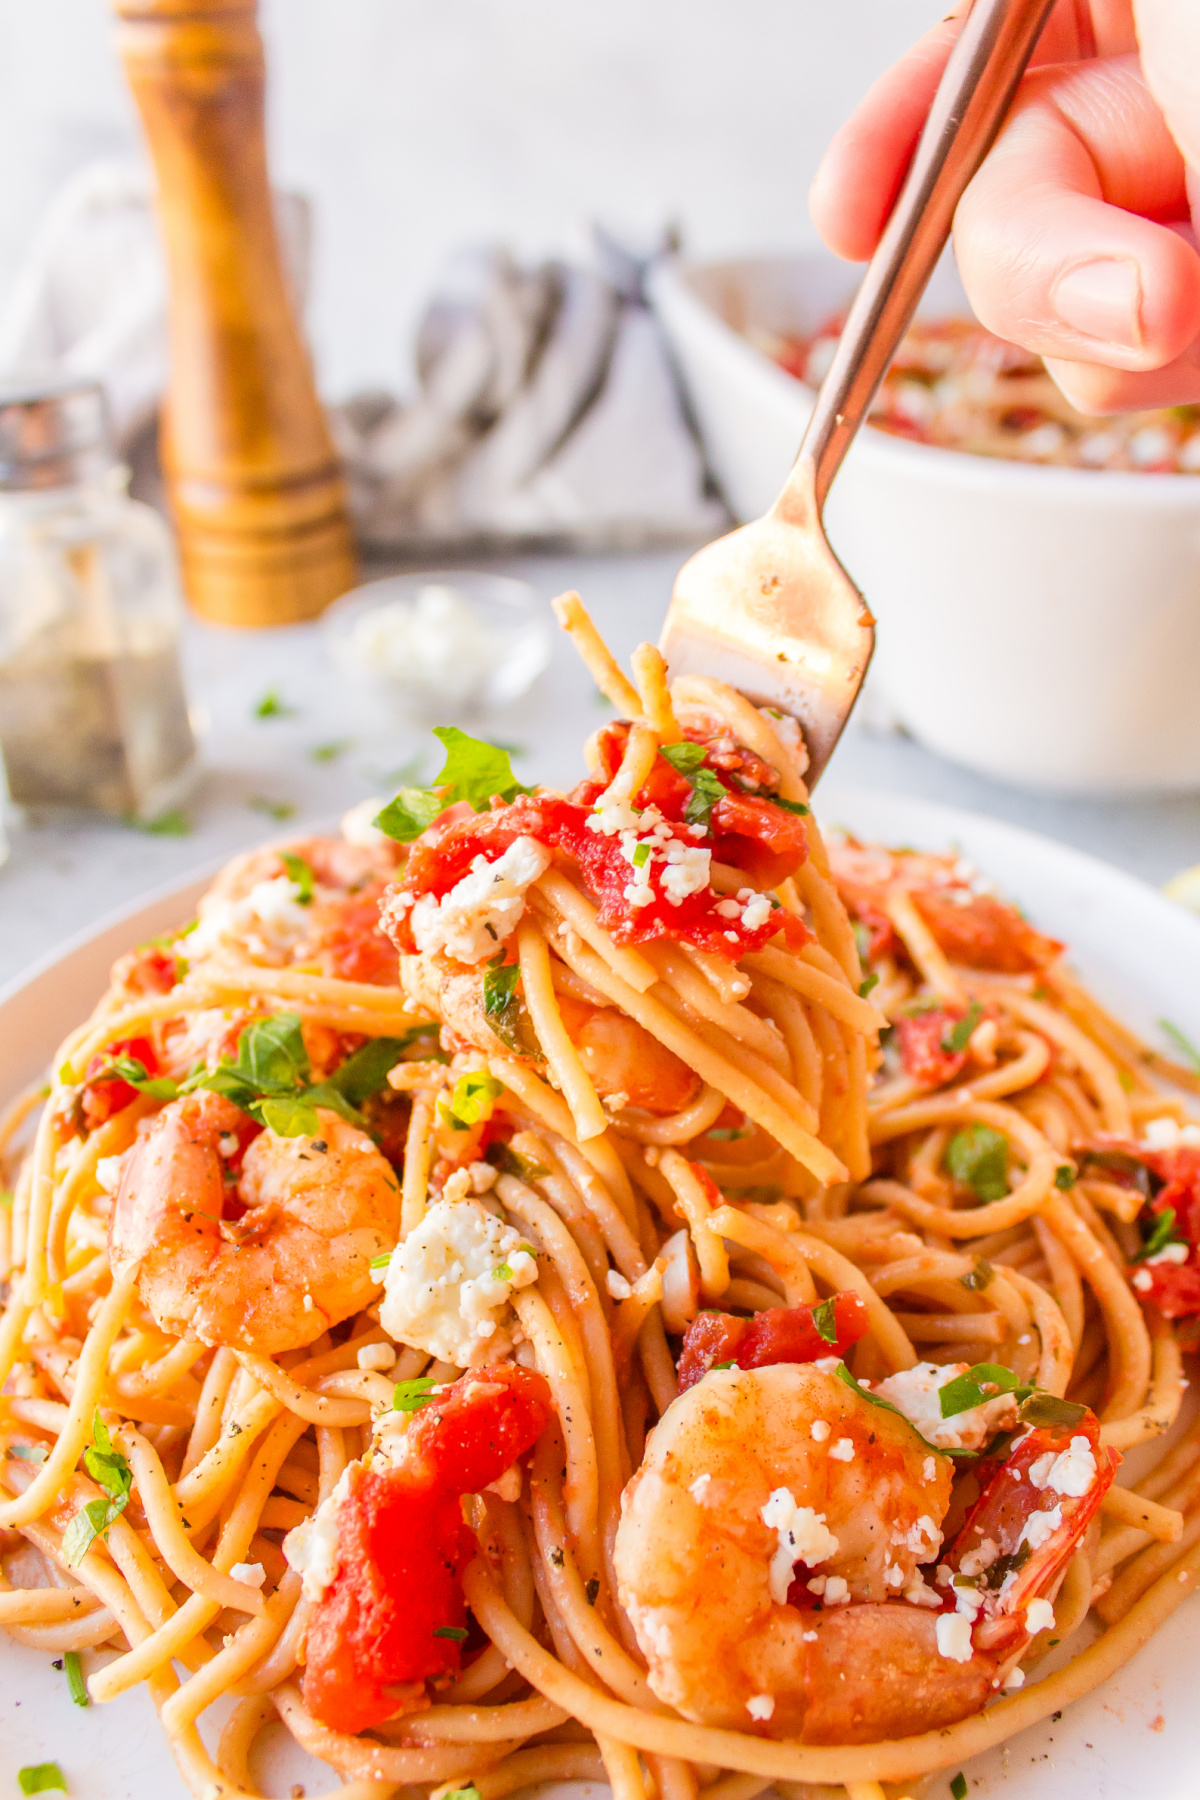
{"type": "Point", "coordinates": [450, 643]}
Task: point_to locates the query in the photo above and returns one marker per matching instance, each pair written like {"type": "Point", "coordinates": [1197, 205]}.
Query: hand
{"type": "Point", "coordinates": [1075, 239]}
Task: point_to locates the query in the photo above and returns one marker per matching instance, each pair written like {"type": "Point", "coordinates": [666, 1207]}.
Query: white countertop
{"type": "Point", "coordinates": [62, 878]}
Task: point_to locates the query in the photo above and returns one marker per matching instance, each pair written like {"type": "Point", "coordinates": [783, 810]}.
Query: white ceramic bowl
{"type": "Point", "coordinates": [1041, 625]}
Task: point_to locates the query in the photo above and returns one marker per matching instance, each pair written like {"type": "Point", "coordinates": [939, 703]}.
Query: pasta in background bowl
{"type": "Point", "coordinates": [1040, 624]}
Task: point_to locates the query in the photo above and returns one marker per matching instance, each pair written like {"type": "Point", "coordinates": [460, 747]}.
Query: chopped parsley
{"type": "Point", "coordinates": [457, 1632]}
{"type": "Point", "coordinates": [272, 706]}
{"type": "Point", "coordinates": [958, 1786]}
{"type": "Point", "coordinates": [977, 1385]}
{"type": "Point", "coordinates": [978, 1278]}
{"type": "Point", "coordinates": [474, 1098]}
{"type": "Point", "coordinates": [1162, 1233]}
{"type": "Point", "coordinates": [1064, 1177]}
{"type": "Point", "coordinates": [279, 810]}
{"type": "Point", "coordinates": [132, 1070]}
{"type": "Point", "coordinates": [173, 823]}
{"type": "Point", "coordinates": [474, 771]}
{"type": "Point", "coordinates": [73, 1671]}
{"type": "Point", "coordinates": [506, 1159]}
{"type": "Point", "coordinates": [327, 753]}
{"type": "Point", "coordinates": [977, 1157]}
{"type": "Point", "coordinates": [868, 982]}
{"type": "Point", "coordinates": [378, 1264]}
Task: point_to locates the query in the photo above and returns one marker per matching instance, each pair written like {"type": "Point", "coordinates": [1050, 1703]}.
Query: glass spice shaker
{"type": "Point", "coordinates": [93, 713]}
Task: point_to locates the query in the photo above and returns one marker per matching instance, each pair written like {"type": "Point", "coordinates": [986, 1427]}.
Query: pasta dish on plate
{"type": "Point", "coordinates": [601, 1284]}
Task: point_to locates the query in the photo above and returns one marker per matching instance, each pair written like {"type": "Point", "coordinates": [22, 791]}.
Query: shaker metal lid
{"type": "Point", "coordinates": [54, 431]}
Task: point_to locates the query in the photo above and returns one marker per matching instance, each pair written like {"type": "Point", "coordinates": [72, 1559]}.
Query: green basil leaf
{"type": "Point", "coordinates": [300, 874]}
{"type": "Point", "coordinates": [132, 1070]}
{"type": "Point", "coordinates": [957, 1039]}
{"type": "Point", "coordinates": [366, 1072]}
{"type": "Point", "coordinates": [474, 771]}
{"type": "Point", "coordinates": [1162, 1233]}
{"type": "Point", "coordinates": [41, 1778]}
{"type": "Point", "coordinates": [684, 757]}
{"type": "Point", "coordinates": [505, 1158]}
{"type": "Point", "coordinates": [868, 983]}
{"type": "Point", "coordinates": [687, 759]}
{"type": "Point", "coordinates": [793, 806]}
{"type": "Point", "coordinates": [411, 1396]}
{"type": "Point", "coordinates": [1048, 1409]}
{"type": "Point", "coordinates": [271, 1056]}
{"type": "Point", "coordinates": [409, 814]}
{"type": "Point", "coordinates": [958, 1786]}
{"type": "Point", "coordinates": [826, 1324]}
{"type": "Point", "coordinates": [289, 1115]}
{"type": "Point", "coordinates": [457, 1632]}
{"type": "Point", "coordinates": [1064, 1178]}
{"type": "Point", "coordinates": [90, 1522]}
{"type": "Point", "coordinates": [971, 1388]}
{"type": "Point", "coordinates": [31, 1453]}
{"type": "Point", "coordinates": [475, 1095]}
{"type": "Point", "coordinates": [977, 1157]}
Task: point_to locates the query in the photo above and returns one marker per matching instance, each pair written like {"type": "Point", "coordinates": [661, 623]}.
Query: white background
{"type": "Point", "coordinates": [418, 125]}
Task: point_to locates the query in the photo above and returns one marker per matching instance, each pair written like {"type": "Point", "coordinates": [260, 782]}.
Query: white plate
{"type": "Point", "coordinates": [1139, 952]}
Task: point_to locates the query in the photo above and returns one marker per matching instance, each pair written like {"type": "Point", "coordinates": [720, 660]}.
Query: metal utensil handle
{"type": "Point", "coordinates": [972, 99]}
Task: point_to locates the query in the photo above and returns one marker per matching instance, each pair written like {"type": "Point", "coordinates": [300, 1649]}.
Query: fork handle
{"type": "Point", "coordinates": [969, 107]}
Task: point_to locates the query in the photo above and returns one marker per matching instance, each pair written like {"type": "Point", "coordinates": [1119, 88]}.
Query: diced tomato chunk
{"type": "Point", "coordinates": [402, 1542]}
{"type": "Point", "coordinates": [101, 1099]}
{"type": "Point", "coordinates": [923, 1038]}
{"type": "Point", "coordinates": [766, 840]}
{"type": "Point", "coordinates": [781, 1334]}
{"type": "Point", "coordinates": [985, 933]}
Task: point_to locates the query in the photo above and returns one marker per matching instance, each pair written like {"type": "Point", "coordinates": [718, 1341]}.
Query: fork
{"type": "Point", "coordinates": [769, 608]}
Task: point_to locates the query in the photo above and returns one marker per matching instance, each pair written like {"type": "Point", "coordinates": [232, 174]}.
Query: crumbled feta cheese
{"type": "Point", "coordinates": [827, 1365]}
{"type": "Point", "coordinates": [802, 1537]}
{"type": "Point", "coordinates": [760, 1706]}
{"type": "Point", "coordinates": [252, 1574]}
{"type": "Point", "coordinates": [482, 909]}
{"type": "Point", "coordinates": [483, 1177]}
{"type": "Point", "coordinates": [449, 1283]}
{"type": "Point", "coordinates": [618, 1287]}
{"type": "Point", "coordinates": [929, 1468]}
{"type": "Point", "coordinates": [834, 1589]}
{"type": "Point", "coordinates": [612, 815]}
{"type": "Point", "coordinates": [699, 1488]}
{"type": "Point", "coordinates": [1014, 1679]}
{"type": "Point", "coordinates": [1039, 1616]}
{"type": "Point", "coordinates": [981, 1558]}
{"type": "Point", "coordinates": [918, 1591]}
{"type": "Point", "coordinates": [686, 872]}
{"type": "Point", "coordinates": [376, 1356]}
{"type": "Point", "coordinates": [954, 1637]}
{"type": "Point", "coordinates": [269, 921]}
{"type": "Point", "coordinates": [728, 909]}
{"type": "Point", "coordinates": [808, 1637]}
{"type": "Point", "coordinates": [1143, 1281]}
{"type": "Point", "coordinates": [1170, 1253]}
{"type": "Point", "coordinates": [1169, 1134]}
{"type": "Point", "coordinates": [914, 1392]}
{"type": "Point", "coordinates": [1071, 1472]}
{"type": "Point", "coordinates": [819, 1430]}
{"type": "Point", "coordinates": [508, 1485]}
{"type": "Point", "coordinates": [758, 911]}
{"type": "Point", "coordinates": [1039, 1527]}
{"type": "Point", "coordinates": [843, 1450]}
{"type": "Point", "coordinates": [108, 1172]}
{"type": "Point", "coordinates": [312, 1548]}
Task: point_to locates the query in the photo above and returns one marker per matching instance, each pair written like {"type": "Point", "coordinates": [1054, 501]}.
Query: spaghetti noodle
{"type": "Point", "coordinates": [683, 1331]}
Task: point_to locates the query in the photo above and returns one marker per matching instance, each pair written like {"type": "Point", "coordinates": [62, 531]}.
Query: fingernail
{"type": "Point", "coordinates": [1103, 300]}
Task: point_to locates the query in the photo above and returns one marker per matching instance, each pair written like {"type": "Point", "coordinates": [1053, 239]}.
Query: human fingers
{"type": "Point", "coordinates": [1063, 240]}
{"type": "Point", "coordinates": [1169, 37]}
{"type": "Point", "coordinates": [863, 168]}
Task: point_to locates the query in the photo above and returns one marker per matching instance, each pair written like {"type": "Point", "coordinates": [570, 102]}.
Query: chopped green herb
{"type": "Point", "coordinates": [457, 1632]}
{"type": "Point", "coordinates": [977, 1157]}
{"type": "Point", "coordinates": [1064, 1177]}
{"type": "Point", "coordinates": [279, 810]}
{"type": "Point", "coordinates": [862, 937]}
{"type": "Point", "coordinates": [502, 1272]}
{"type": "Point", "coordinates": [6, 1199]}
{"type": "Point", "coordinates": [870, 982]}
{"type": "Point", "coordinates": [174, 823]}
{"type": "Point", "coordinates": [505, 1158]}
{"type": "Point", "coordinates": [1183, 1044]}
{"type": "Point", "coordinates": [958, 1787]}
{"type": "Point", "coordinates": [109, 1469]}
{"type": "Point", "coordinates": [73, 1671]}
{"type": "Point", "coordinates": [132, 1070]}
{"type": "Point", "coordinates": [983, 1382]}
{"type": "Point", "coordinates": [1162, 1233]}
{"type": "Point", "coordinates": [957, 1039]}
{"type": "Point", "coordinates": [474, 771]}
{"type": "Point", "coordinates": [270, 1077]}
{"type": "Point", "coordinates": [378, 1264]}
{"type": "Point", "coordinates": [470, 1792]}
{"type": "Point", "coordinates": [728, 1134]}
{"type": "Point", "coordinates": [300, 874]}
{"type": "Point", "coordinates": [843, 1374]}
{"type": "Point", "coordinates": [826, 1324]}
{"type": "Point", "coordinates": [687, 759]}
{"type": "Point", "coordinates": [474, 1097]}
{"type": "Point", "coordinates": [793, 806]}
{"type": "Point", "coordinates": [411, 1396]}
{"type": "Point", "coordinates": [978, 1278]}
{"type": "Point", "coordinates": [641, 856]}
{"type": "Point", "coordinates": [33, 1453]}
{"type": "Point", "coordinates": [272, 706]}
{"type": "Point", "coordinates": [721, 1365]}
{"type": "Point", "coordinates": [40, 1778]}
{"type": "Point", "coordinates": [503, 1008]}
{"type": "Point", "coordinates": [1048, 1409]}
{"type": "Point", "coordinates": [327, 753]}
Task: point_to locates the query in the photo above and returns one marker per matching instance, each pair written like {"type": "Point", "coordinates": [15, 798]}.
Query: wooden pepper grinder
{"type": "Point", "coordinates": [257, 494]}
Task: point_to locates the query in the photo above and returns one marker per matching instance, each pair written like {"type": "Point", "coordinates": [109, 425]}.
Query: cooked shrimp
{"type": "Point", "coordinates": [623, 1060]}
{"type": "Point", "coordinates": [329, 916]}
{"type": "Point", "coordinates": [273, 1270]}
{"type": "Point", "coordinates": [769, 1558]}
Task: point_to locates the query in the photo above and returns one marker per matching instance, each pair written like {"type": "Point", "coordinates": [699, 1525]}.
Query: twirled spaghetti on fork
{"type": "Point", "coordinates": [680, 1325]}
